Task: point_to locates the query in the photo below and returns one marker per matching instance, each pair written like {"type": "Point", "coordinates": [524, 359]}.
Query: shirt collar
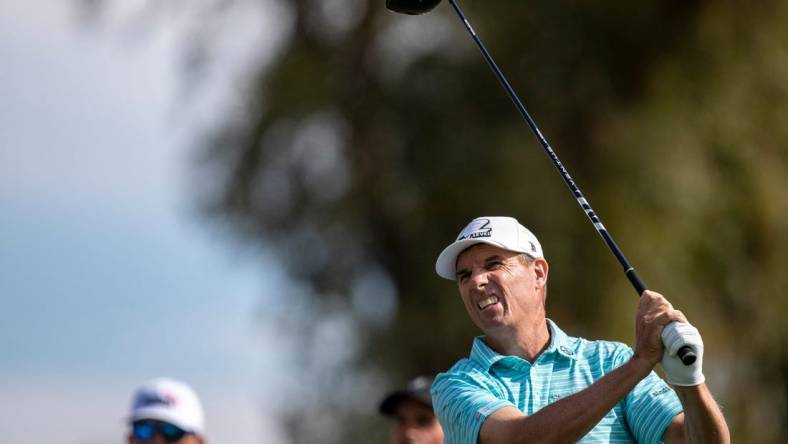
{"type": "Point", "coordinates": [559, 343]}
{"type": "Point", "coordinates": [483, 354]}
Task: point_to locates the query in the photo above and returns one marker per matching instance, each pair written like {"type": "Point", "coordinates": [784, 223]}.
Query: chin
{"type": "Point", "coordinates": [491, 326]}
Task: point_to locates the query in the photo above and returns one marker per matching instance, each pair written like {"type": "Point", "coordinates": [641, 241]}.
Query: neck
{"type": "Point", "coordinates": [524, 341]}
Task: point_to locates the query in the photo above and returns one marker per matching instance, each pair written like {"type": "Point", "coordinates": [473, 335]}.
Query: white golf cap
{"type": "Point", "coordinates": [502, 232]}
{"type": "Point", "coordinates": [170, 401]}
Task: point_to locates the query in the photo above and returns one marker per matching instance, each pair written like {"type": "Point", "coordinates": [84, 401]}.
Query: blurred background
{"type": "Point", "coordinates": [249, 195]}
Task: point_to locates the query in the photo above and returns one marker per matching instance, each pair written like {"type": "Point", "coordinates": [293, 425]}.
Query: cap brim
{"type": "Point", "coordinates": [446, 265]}
{"type": "Point", "coordinates": [389, 405]}
{"type": "Point", "coordinates": [163, 415]}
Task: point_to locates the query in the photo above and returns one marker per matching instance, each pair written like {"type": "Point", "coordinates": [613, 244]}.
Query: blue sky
{"type": "Point", "coordinates": [107, 278]}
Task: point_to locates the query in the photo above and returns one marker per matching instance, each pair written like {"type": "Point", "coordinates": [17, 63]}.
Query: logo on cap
{"type": "Point", "coordinates": [155, 398]}
{"type": "Point", "coordinates": [476, 229]}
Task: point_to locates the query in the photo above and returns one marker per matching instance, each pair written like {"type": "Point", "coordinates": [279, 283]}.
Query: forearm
{"type": "Point", "coordinates": [571, 418]}
{"type": "Point", "coordinates": [703, 419]}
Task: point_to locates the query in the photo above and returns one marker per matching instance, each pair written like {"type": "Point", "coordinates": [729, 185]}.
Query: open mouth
{"type": "Point", "coordinates": [487, 302]}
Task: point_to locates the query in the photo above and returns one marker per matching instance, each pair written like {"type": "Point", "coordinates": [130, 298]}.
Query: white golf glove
{"type": "Point", "coordinates": [676, 335]}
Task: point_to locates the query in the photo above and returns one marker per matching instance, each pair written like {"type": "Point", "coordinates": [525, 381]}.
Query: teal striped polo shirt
{"type": "Point", "coordinates": [475, 387]}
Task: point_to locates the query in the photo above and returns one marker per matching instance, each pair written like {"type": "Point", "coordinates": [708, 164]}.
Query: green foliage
{"type": "Point", "coordinates": [371, 146]}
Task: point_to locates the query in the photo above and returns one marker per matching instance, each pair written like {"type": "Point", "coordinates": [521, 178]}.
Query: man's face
{"type": "Point", "coordinates": [157, 436]}
{"type": "Point", "coordinates": [498, 289]}
{"type": "Point", "coordinates": [415, 423]}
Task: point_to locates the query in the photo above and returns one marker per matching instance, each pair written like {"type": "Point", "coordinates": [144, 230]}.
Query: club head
{"type": "Point", "coordinates": [411, 7]}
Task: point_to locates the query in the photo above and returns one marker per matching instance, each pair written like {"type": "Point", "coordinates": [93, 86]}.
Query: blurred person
{"type": "Point", "coordinates": [410, 411]}
{"type": "Point", "coordinates": [164, 410]}
{"type": "Point", "coordinates": [527, 381]}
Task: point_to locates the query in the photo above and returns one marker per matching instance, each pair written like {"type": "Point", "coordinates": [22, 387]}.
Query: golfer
{"type": "Point", "coordinates": [526, 381]}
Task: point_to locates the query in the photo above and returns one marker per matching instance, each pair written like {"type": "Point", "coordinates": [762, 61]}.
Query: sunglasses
{"type": "Point", "coordinates": [146, 430]}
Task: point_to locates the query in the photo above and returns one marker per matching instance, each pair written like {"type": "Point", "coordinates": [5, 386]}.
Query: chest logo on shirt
{"type": "Point", "coordinates": [660, 391]}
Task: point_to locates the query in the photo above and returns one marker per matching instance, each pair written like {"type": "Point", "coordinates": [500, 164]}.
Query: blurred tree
{"type": "Point", "coordinates": [372, 138]}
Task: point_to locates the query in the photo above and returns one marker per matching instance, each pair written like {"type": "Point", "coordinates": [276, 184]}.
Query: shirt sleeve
{"type": "Point", "coordinates": [462, 403]}
{"type": "Point", "coordinates": [650, 406]}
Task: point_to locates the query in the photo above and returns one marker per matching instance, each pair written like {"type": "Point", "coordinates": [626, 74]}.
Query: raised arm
{"type": "Point", "coordinates": [702, 420]}
{"type": "Point", "coordinates": [571, 418]}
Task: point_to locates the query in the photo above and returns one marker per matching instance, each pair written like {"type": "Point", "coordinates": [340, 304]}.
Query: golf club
{"type": "Point", "coordinates": [414, 7]}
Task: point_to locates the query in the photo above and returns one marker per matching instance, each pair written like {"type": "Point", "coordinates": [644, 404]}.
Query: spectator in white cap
{"type": "Point", "coordinates": [166, 411]}
{"type": "Point", "coordinates": [527, 381]}
{"type": "Point", "coordinates": [410, 411]}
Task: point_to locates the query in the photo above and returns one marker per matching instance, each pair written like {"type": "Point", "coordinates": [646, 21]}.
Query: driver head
{"type": "Point", "coordinates": [412, 7]}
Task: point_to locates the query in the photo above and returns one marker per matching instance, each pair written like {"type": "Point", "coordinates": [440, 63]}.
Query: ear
{"type": "Point", "coordinates": [540, 270]}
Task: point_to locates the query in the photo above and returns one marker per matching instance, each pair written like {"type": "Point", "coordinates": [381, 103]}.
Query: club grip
{"type": "Point", "coordinates": [687, 355]}
{"type": "Point", "coordinates": [635, 280]}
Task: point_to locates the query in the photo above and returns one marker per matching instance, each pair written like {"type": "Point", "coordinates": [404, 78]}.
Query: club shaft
{"type": "Point", "coordinates": [686, 353]}
{"type": "Point", "coordinates": [581, 200]}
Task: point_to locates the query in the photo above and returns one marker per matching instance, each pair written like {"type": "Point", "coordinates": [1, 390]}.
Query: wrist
{"type": "Point", "coordinates": [640, 365]}
{"type": "Point", "coordinates": [689, 390]}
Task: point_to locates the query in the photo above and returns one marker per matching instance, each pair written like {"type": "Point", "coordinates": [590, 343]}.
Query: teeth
{"type": "Point", "coordinates": [487, 302]}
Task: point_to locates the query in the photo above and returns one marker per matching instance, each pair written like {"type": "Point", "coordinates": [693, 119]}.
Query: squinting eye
{"type": "Point", "coordinates": [493, 264]}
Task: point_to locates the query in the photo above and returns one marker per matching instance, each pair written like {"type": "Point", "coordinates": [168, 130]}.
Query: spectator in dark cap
{"type": "Point", "coordinates": [410, 409]}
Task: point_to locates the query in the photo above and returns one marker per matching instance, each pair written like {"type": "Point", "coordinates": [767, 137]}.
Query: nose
{"type": "Point", "coordinates": [405, 434]}
{"type": "Point", "coordinates": [478, 278]}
